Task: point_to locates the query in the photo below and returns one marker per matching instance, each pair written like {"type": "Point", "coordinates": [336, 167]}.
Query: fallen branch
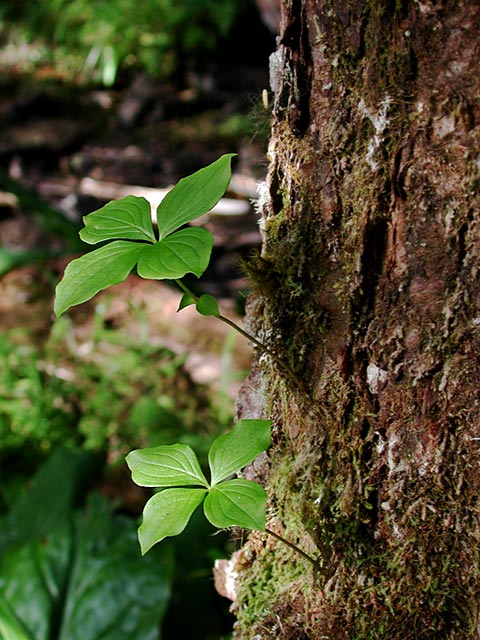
{"type": "Point", "coordinates": [112, 191]}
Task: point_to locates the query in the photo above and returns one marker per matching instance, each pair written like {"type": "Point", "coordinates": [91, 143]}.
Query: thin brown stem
{"type": "Point", "coordinates": [281, 363]}
{"type": "Point", "coordinates": [292, 546]}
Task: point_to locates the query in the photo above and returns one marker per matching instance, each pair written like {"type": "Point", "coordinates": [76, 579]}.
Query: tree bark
{"type": "Point", "coordinates": [368, 286]}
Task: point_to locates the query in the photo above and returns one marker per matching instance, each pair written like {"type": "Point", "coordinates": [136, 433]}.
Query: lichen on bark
{"type": "Point", "coordinates": [368, 285]}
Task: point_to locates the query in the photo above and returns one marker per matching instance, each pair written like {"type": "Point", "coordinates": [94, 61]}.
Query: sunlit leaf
{"type": "Point", "coordinates": [173, 465]}
{"type": "Point", "coordinates": [167, 514]}
{"type": "Point", "coordinates": [186, 251]}
{"type": "Point", "coordinates": [208, 306]}
{"type": "Point", "coordinates": [236, 503]}
{"type": "Point", "coordinates": [239, 447]}
{"type": "Point", "coordinates": [11, 627]}
{"type": "Point", "coordinates": [95, 271]}
{"type": "Point", "coordinates": [126, 219]}
{"type": "Point", "coordinates": [194, 195]}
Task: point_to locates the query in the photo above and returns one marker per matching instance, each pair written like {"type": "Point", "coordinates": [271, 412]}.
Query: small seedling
{"type": "Point", "coordinates": [226, 502]}
{"type": "Point", "coordinates": [166, 253]}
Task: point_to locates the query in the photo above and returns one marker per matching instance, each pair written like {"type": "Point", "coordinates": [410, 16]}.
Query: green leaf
{"type": "Point", "coordinates": [167, 514]}
{"type": "Point", "coordinates": [186, 251]}
{"type": "Point", "coordinates": [11, 628]}
{"type": "Point", "coordinates": [186, 301]}
{"type": "Point", "coordinates": [194, 195]}
{"type": "Point", "coordinates": [97, 270]}
{"type": "Point", "coordinates": [38, 511]}
{"type": "Point", "coordinates": [79, 575]}
{"type": "Point", "coordinates": [114, 593]}
{"type": "Point", "coordinates": [239, 447]}
{"type": "Point", "coordinates": [236, 503]}
{"type": "Point", "coordinates": [171, 465]}
{"type": "Point", "coordinates": [208, 306]}
{"type": "Point", "coordinates": [126, 219]}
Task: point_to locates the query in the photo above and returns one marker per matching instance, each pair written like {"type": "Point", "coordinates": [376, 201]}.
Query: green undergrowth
{"type": "Point", "coordinates": [77, 561]}
{"type": "Point", "coordinates": [105, 392]}
{"type": "Point", "coordinates": [93, 41]}
{"type": "Point", "coordinates": [73, 402]}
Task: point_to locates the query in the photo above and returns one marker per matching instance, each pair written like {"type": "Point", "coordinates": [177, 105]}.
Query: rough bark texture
{"type": "Point", "coordinates": [368, 285]}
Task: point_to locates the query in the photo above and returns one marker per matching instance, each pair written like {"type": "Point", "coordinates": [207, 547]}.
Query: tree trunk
{"type": "Point", "coordinates": [368, 286]}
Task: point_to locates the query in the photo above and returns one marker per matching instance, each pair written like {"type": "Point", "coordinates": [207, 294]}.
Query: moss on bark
{"type": "Point", "coordinates": [368, 286]}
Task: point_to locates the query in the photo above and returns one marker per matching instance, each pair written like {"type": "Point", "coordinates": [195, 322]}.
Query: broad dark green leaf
{"type": "Point", "coordinates": [95, 271]}
{"type": "Point", "coordinates": [41, 568]}
{"type": "Point", "coordinates": [81, 577]}
{"type": "Point", "coordinates": [239, 447]}
{"type": "Point", "coordinates": [236, 503]}
{"type": "Point", "coordinates": [186, 251]}
{"type": "Point", "coordinates": [208, 306]}
{"type": "Point", "coordinates": [167, 514]}
{"type": "Point", "coordinates": [194, 195]}
{"type": "Point", "coordinates": [126, 219]}
{"type": "Point", "coordinates": [38, 511]}
{"type": "Point", "coordinates": [114, 593]}
{"type": "Point", "coordinates": [171, 465]}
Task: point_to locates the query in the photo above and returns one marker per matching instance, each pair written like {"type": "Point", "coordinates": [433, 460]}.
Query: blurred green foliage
{"type": "Point", "coordinates": [70, 570]}
{"type": "Point", "coordinates": [110, 393]}
{"type": "Point", "coordinates": [98, 37]}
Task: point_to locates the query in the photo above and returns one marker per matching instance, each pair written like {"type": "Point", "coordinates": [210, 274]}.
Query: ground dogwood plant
{"type": "Point", "coordinates": [129, 240]}
{"type": "Point", "coordinates": [166, 253]}
{"type": "Point", "coordinates": [176, 471]}
{"type": "Point", "coordinates": [227, 502]}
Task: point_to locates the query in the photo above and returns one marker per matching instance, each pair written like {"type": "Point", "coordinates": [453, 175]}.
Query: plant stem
{"type": "Point", "coordinates": [288, 370]}
{"type": "Point", "coordinates": [292, 546]}
{"type": "Point", "coordinates": [282, 364]}
{"type": "Point", "coordinates": [186, 290]}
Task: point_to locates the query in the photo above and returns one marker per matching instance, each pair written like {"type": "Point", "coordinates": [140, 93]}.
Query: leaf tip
{"type": "Point", "coordinates": [145, 542]}
{"type": "Point", "coordinates": [186, 301]}
{"type": "Point", "coordinates": [144, 549]}
{"type": "Point", "coordinates": [58, 307]}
